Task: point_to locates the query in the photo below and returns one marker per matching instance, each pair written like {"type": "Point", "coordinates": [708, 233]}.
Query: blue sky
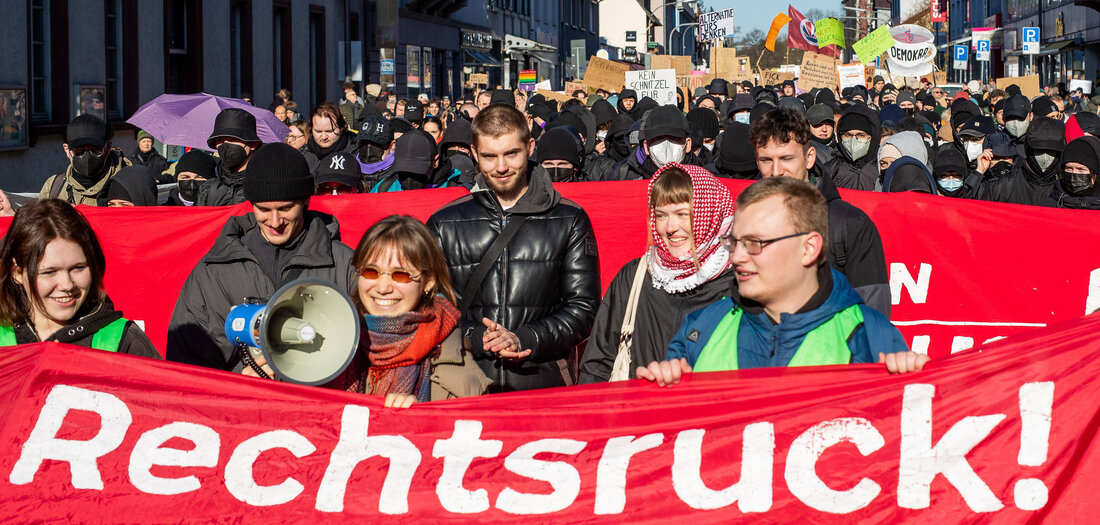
{"type": "Point", "coordinates": [749, 15]}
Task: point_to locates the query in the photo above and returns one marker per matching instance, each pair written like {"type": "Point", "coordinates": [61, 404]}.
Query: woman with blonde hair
{"type": "Point", "coordinates": [685, 268]}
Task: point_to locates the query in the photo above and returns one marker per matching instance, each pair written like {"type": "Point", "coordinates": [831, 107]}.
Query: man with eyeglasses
{"type": "Point", "coordinates": [787, 306]}
{"type": "Point", "coordinates": [92, 163]}
{"type": "Point", "coordinates": [255, 254]}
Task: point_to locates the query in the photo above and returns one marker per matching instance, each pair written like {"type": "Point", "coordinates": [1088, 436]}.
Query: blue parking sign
{"type": "Point", "coordinates": [961, 52]}
{"type": "Point", "coordinates": [1030, 40]}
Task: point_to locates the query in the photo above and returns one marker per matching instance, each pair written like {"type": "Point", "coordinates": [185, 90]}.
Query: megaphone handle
{"type": "Point", "coordinates": [246, 358]}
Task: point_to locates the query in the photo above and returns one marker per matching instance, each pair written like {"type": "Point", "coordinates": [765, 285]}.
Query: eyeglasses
{"type": "Point", "coordinates": [96, 152]}
{"type": "Point", "coordinates": [294, 137]}
{"type": "Point", "coordinates": [754, 246]}
{"type": "Point", "coordinates": [398, 276]}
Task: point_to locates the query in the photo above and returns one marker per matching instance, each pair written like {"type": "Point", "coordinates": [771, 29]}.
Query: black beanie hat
{"type": "Point", "coordinates": [853, 120]}
{"type": "Point", "coordinates": [706, 120]}
{"type": "Point", "coordinates": [502, 96]}
{"type": "Point", "coordinates": [759, 110]}
{"type": "Point", "coordinates": [198, 162]}
{"type": "Point", "coordinates": [560, 143]}
{"type": "Point", "coordinates": [277, 172]}
{"type": "Point", "coordinates": [735, 150]}
{"type": "Point", "coordinates": [1084, 150]}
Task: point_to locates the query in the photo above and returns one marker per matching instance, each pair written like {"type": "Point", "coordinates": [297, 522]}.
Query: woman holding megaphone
{"type": "Point", "coordinates": [411, 350]}
{"type": "Point", "coordinates": [51, 284]}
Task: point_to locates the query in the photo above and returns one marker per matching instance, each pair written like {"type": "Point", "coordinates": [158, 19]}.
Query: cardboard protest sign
{"type": "Point", "coordinates": [479, 78]}
{"type": "Point", "coordinates": [1029, 85]}
{"type": "Point", "coordinates": [657, 84]}
{"type": "Point", "coordinates": [723, 61]}
{"type": "Point", "coordinates": [939, 78]}
{"type": "Point", "coordinates": [691, 82]}
{"type": "Point", "coordinates": [604, 74]}
{"type": "Point", "coordinates": [681, 63]}
{"type": "Point", "coordinates": [571, 87]}
{"type": "Point", "coordinates": [851, 75]}
{"type": "Point", "coordinates": [818, 71]}
{"type": "Point", "coordinates": [553, 95]}
{"type": "Point", "coordinates": [774, 78]}
{"type": "Point", "coordinates": [874, 44]}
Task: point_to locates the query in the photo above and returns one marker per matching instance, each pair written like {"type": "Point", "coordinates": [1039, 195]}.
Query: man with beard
{"type": "Point", "coordinates": [92, 162]}
{"type": "Point", "coordinates": [234, 137]}
{"type": "Point", "coordinates": [1076, 188]}
{"type": "Point", "coordinates": [375, 149]}
{"type": "Point", "coordinates": [522, 313]}
{"type": "Point", "coordinates": [1032, 180]}
{"type": "Point", "coordinates": [854, 166]}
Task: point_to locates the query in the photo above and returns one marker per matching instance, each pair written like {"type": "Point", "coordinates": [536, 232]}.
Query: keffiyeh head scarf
{"type": "Point", "coordinates": [711, 217]}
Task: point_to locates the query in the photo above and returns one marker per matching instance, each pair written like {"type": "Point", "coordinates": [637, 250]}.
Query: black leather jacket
{"type": "Point", "coordinates": [545, 288]}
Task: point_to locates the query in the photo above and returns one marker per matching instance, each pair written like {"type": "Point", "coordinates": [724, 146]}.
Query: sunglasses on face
{"type": "Point", "coordinates": [398, 276]}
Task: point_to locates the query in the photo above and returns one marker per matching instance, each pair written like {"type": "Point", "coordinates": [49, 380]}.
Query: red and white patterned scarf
{"type": "Point", "coordinates": [711, 216]}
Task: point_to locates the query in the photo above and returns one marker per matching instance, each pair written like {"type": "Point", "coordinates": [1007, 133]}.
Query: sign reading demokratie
{"type": "Point", "coordinates": [715, 25]}
{"type": "Point", "coordinates": [913, 51]}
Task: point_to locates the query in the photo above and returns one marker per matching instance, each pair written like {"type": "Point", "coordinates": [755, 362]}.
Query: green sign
{"type": "Point", "coordinates": [829, 31]}
{"type": "Point", "coordinates": [874, 44]}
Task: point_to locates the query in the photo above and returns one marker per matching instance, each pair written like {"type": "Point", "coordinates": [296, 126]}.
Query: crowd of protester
{"type": "Point", "coordinates": [500, 290]}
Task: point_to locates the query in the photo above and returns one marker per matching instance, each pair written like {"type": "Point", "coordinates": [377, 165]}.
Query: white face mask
{"type": "Point", "coordinates": [601, 135]}
{"type": "Point", "coordinates": [856, 148]}
{"type": "Point", "coordinates": [742, 117]}
{"type": "Point", "coordinates": [665, 152]}
{"type": "Point", "coordinates": [973, 150]}
{"type": "Point", "coordinates": [710, 147]}
{"type": "Point", "coordinates": [1044, 160]}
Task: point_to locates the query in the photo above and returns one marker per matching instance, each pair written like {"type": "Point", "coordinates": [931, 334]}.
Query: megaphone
{"type": "Point", "coordinates": [308, 331]}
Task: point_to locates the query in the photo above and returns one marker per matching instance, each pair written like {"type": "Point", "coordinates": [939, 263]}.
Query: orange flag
{"type": "Point", "coordinates": [778, 22]}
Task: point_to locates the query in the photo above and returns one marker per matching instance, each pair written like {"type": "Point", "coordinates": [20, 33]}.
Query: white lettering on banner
{"type": "Point", "coordinates": [562, 477]}
{"type": "Point", "coordinates": [801, 474]}
{"type": "Point", "coordinates": [354, 447]}
{"type": "Point", "coordinates": [920, 344]}
{"type": "Point", "coordinates": [611, 471]}
{"type": "Point", "coordinates": [960, 343]}
{"type": "Point", "coordinates": [149, 451]}
{"type": "Point", "coordinates": [239, 478]}
{"type": "Point", "coordinates": [1092, 302]}
{"type": "Point", "coordinates": [919, 463]}
{"type": "Point", "coordinates": [752, 492]}
{"type": "Point", "coordinates": [901, 278]}
{"type": "Point", "coordinates": [43, 443]}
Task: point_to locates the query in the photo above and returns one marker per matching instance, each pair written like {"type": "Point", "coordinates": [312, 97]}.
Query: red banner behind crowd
{"type": "Point", "coordinates": [961, 272]}
{"type": "Point", "coordinates": [1004, 435]}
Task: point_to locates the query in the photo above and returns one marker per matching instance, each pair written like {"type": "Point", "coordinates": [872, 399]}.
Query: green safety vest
{"type": "Point", "coordinates": [825, 345]}
{"type": "Point", "coordinates": [107, 338]}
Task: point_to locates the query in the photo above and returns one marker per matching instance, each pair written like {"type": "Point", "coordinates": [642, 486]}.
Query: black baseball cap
{"type": "Point", "coordinates": [375, 129]}
{"type": "Point", "coordinates": [414, 111]}
{"type": "Point", "coordinates": [819, 113]}
{"type": "Point", "coordinates": [1017, 106]}
{"type": "Point", "coordinates": [340, 167]}
{"type": "Point", "coordinates": [1043, 106]}
{"type": "Point", "coordinates": [978, 126]}
{"type": "Point", "coordinates": [86, 130]}
{"type": "Point", "coordinates": [665, 121]}
{"type": "Point", "coordinates": [414, 153]}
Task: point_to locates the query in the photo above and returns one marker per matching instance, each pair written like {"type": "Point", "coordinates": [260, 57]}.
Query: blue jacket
{"type": "Point", "coordinates": [762, 343]}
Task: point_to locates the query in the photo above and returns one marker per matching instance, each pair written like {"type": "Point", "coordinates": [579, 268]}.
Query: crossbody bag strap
{"type": "Point", "coordinates": [487, 260]}
{"type": "Point", "coordinates": [620, 371]}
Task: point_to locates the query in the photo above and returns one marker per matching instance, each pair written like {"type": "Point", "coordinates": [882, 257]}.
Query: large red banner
{"type": "Point", "coordinates": [961, 272]}
{"type": "Point", "coordinates": [1003, 434]}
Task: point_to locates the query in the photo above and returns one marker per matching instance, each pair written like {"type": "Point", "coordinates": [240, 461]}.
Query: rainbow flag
{"type": "Point", "coordinates": [527, 76]}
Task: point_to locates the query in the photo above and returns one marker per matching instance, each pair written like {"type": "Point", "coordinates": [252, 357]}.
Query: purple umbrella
{"type": "Point", "coordinates": [188, 120]}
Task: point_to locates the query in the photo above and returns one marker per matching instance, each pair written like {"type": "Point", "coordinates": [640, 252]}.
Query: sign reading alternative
{"type": "Point", "coordinates": [657, 84]}
{"type": "Point", "coordinates": [715, 25]}
{"type": "Point", "coordinates": [604, 74]}
{"type": "Point", "coordinates": [817, 71]}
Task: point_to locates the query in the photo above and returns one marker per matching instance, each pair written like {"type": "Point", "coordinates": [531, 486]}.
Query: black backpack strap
{"type": "Point", "coordinates": [55, 187]}
{"type": "Point", "coordinates": [839, 213]}
{"type": "Point", "coordinates": [487, 260]}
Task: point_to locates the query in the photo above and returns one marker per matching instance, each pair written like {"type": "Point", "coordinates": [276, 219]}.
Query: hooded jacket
{"type": "Point", "coordinates": [230, 272]}
{"type": "Point", "coordinates": [545, 288]}
{"type": "Point", "coordinates": [909, 144]}
{"type": "Point", "coordinates": [224, 190]}
{"type": "Point", "coordinates": [633, 112]}
{"type": "Point", "coordinates": [894, 181]}
{"type": "Point", "coordinates": [659, 315]}
{"type": "Point", "coordinates": [862, 173]}
{"type": "Point", "coordinates": [139, 182]}
{"type": "Point", "coordinates": [948, 159]}
{"type": "Point", "coordinates": [763, 343]}
{"type": "Point", "coordinates": [92, 317]}
{"type": "Point", "coordinates": [74, 192]}
{"type": "Point", "coordinates": [1025, 184]}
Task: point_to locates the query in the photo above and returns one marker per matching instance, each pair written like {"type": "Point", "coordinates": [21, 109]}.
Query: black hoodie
{"type": "Point", "coordinates": [862, 173]}
{"type": "Point", "coordinates": [1025, 184]}
{"type": "Point", "coordinates": [136, 184]}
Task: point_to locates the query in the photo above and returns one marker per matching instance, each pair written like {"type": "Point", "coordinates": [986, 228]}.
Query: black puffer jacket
{"type": "Point", "coordinates": [224, 190]}
{"type": "Point", "coordinates": [862, 173]}
{"type": "Point", "coordinates": [545, 288]}
{"type": "Point", "coordinates": [230, 272]}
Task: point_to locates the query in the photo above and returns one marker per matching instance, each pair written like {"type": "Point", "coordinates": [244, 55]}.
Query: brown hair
{"type": "Point", "coordinates": [329, 111]}
{"type": "Point", "coordinates": [805, 205]}
{"type": "Point", "coordinates": [415, 245]}
{"type": "Point", "coordinates": [33, 227]}
{"type": "Point", "coordinates": [303, 125]}
{"type": "Point", "coordinates": [498, 120]}
{"type": "Point", "coordinates": [783, 125]}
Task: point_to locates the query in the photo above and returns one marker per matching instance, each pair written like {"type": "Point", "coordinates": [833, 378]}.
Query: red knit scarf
{"type": "Point", "coordinates": [400, 344]}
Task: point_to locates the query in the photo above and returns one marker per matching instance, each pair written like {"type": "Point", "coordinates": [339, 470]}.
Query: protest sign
{"type": "Point", "coordinates": [939, 78]}
{"type": "Point", "coordinates": [913, 51]}
{"type": "Point", "coordinates": [874, 44]}
{"type": "Point", "coordinates": [829, 32]}
{"type": "Point", "coordinates": [681, 63]}
{"type": "Point", "coordinates": [1029, 85]}
{"type": "Point", "coordinates": [851, 75]}
{"type": "Point", "coordinates": [572, 87]}
{"type": "Point", "coordinates": [715, 25]}
{"type": "Point", "coordinates": [1085, 85]}
{"type": "Point", "coordinates": [817, 71]}
{"type": "Point", "coordinates": [1001, 435]}
{"type": "Point", "coordinates": [723, 61]}
{"type": "Point", "coordinates": [604, 74]}
{"type": "Point", "coordinates": [553, 95]}
{"type": "Point", "coordinates": [774, 78]}
{"type": "Point", "coordinates": [657, 84]}
{"type": "Point", "coordinates": [691, 82]}
{"type": "Point", "coordinates": [479, 78]}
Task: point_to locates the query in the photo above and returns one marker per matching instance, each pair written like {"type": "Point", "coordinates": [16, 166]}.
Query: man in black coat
{"type": "Point", "coordinates": [536, 300]}
{"type": "Point", "coordinates": [235, 139]}
{"type": "Point", "coordinates": [782, 142]}
{"type": "Point", "coordinates": [858, 133]}
{"type": "Point", "coordinates": [1033, 175]}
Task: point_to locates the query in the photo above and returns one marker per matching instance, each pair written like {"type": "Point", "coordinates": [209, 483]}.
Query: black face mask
{"type": "Point", "coordinates": [562, 174]}
{"type": "Point", "coordinates": [1000, 169]}
{"type": "Point", "coordinates": [1076, 184]}
{"type": "Point", "coordinates": [88, 165]}
{"type": "Point", "coordinates": [189, 189]}
{"type": "Point", "coordinates": [232, 156]}
{"type": "Point", "coordinates": [452, 152]}
{"type": "Point", "coordinates": [369, 153]}
{"type": "Point", "coordinates": [620, 145]}
{"type": "Point", "coordinates": [910, 111]}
